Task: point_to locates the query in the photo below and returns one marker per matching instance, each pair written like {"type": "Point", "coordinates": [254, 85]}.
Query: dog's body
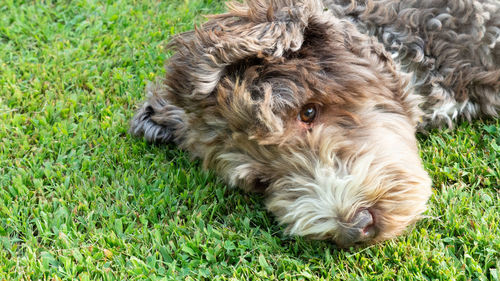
{"type": "Point", "coordinates": [299, 99]}
{"type": "Point", "coordinates": [451, 48]}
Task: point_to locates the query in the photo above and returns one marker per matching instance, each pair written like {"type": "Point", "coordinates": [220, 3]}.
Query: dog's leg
{"type": "Point", "coordinates": [158, 120]}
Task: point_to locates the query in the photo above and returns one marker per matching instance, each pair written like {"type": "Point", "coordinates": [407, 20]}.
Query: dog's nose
{"type": "Point", "coordinates": [364, 225]}
{"type": "Point", "coordinates": [361, 228]}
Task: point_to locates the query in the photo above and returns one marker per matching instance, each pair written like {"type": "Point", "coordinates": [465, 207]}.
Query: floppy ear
{"type": "Point", "coordinates": [259, 28]}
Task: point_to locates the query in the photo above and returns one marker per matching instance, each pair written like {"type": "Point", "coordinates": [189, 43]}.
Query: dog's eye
{"type": "Point", "coordinates": [308, 113]}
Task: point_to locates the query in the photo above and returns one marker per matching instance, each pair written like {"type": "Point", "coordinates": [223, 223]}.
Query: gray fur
{"type": "Point", "coordinates": [157, 120]}
{"type": "Point", "coordinates": [452, 48]}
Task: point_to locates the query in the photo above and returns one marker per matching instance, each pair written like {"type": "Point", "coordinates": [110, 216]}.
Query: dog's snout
{"type": "Point", "coordinates": [360, 229]}
{"type": "Point", "coordinates": [364, 225]}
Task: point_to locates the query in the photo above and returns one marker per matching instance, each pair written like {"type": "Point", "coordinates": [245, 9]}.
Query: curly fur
{"type": "Point", "coordinates": [376, 70]}
{"type": "Point", "coordinates": [452, 49]}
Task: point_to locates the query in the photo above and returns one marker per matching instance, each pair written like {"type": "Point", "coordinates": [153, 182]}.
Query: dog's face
{"type": "Point", "coordinates": [320, 120]}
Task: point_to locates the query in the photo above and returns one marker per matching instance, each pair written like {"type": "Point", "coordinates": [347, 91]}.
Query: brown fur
{"type": "Point", "coordinates": [451, 47]}
{"type": "Point", "coordinates": [235, 87]}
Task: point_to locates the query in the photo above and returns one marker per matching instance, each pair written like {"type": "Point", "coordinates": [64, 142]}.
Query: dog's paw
{"type": "Point", "coordinates": [158, 121]}
{"type": "Point", "coordinates": [143, 126]}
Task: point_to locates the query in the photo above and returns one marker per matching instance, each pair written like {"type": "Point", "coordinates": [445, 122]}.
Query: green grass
{"type": "Point", "coordinates": [81, 199]}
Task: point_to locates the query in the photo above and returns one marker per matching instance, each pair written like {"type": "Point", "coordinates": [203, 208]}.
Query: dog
{"type": "Point", "coordinates": [316, 104]}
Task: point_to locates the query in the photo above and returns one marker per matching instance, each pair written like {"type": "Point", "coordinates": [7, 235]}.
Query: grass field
{"type": "Point", "coordinates": [82, 200]}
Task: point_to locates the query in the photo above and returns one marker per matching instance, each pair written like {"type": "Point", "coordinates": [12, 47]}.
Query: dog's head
{"type": "Point", "coordinates": [286, 98]}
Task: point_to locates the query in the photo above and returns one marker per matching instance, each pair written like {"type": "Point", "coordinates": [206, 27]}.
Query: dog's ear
{"type": "Point", "coordinates": [257, 28]}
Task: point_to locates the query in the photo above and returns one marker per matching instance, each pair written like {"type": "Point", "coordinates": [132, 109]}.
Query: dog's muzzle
{"type": "Point", "coordinates": [361, 228]}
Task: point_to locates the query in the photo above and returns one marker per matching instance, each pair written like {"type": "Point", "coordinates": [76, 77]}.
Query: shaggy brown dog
{"type": "Point", "coordinates": [316, 104]}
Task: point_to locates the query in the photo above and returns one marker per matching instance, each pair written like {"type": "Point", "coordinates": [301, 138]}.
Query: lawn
{"type": "Point", "coordinates": [82, 200]}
